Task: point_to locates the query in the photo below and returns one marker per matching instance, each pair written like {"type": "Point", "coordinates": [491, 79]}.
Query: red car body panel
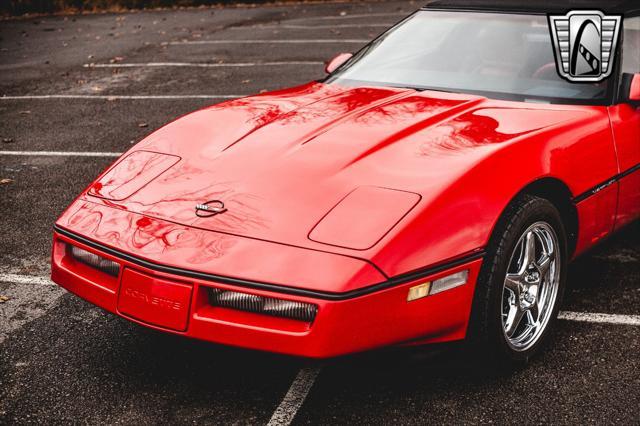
{"type": "Point", "coordinates": [422, 177]}
{"type": "Point", "coordinates": [193, 249]}
{"type": "Point", "coordinates": [625, 122]}
{"type": "Point", "coordinates": [343, 326]}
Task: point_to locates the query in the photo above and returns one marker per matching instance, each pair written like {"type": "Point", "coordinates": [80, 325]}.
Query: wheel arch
{"type": "Point", "coordinates": [558, 193]}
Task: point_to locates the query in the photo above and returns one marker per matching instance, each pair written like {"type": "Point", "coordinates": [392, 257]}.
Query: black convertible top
{"type": "Point", "coordinates": [625, 7]}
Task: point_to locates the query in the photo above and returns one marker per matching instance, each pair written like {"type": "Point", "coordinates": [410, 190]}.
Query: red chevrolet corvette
{"type": "Point", "coordinates": [432, 188]}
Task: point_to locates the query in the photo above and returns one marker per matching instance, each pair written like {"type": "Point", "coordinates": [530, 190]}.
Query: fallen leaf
{"type": "Point", "coordinates": [3, 299]}
{"type": "Point", "coordinates": [5, 181]}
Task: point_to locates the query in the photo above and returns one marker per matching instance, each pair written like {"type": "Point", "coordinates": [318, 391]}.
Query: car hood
{"type": "Point", "coordinates": [282, 161]}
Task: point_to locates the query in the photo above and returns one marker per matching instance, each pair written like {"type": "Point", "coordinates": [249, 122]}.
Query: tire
{"type": "Point", "coordinates": [529, 233]}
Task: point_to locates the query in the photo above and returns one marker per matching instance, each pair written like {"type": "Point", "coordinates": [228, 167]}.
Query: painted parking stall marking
{"type": "Point", "coordinates": [27, 298]}
{"type": "Point", "coordinates": [317, 27]}
{"type": "Point", "coordinates": [295, 397]}
{"type": "Point", "coordinates": [347, 16]}
{"type": "Point", "coordinates": [26, 279]}
{"type": "Point", "coordinates": [262, 41]}
{"type": "Point", "coordinates": [58, 154]}
{"type": "Point", "coordinates": [204, 65]}
{"type": "Point", "coordinates": [116, 97]}
{"type": "Point", "coordinates": [600, 318]}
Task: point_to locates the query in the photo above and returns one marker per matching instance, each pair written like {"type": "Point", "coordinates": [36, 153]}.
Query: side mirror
{"type": "Point", "coordinates": [634, 89]}
{"type": "Point", "coordinates": [337, 62]}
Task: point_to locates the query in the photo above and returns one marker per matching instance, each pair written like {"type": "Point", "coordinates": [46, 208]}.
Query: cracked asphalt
{"type": "Point", "coordinates": [64, 361]}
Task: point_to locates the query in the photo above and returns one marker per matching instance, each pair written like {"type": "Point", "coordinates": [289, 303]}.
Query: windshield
{"type": "Point", "coordinates": [504, 56]}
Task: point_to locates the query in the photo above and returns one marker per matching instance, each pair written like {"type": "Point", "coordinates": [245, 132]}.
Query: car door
{"type": "Point", "coordinates": [625, 121]}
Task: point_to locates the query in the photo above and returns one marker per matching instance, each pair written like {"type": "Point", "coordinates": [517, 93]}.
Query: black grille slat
{"type": "Point", "coordinates": [262, 305]}
{"type": "Point", "coordinates": [93, 260]}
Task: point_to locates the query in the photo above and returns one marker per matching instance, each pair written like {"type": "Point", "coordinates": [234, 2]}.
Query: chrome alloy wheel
{"type": "Point", "coordinates": [531, 286]}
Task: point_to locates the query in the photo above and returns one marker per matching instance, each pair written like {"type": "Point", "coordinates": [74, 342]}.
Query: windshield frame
{"type": "Point", "coordinates": [608, 99]}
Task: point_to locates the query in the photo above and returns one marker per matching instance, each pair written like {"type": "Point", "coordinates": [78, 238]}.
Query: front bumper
{"type": "Point", "coordinates": [177, 301]}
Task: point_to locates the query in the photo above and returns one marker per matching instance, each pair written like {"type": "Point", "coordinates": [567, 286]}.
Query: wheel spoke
{"type": "Point", "coordinates": [534, 314]}
{"type": "Point", "coordinates": [525, 333]}
{"type": "Point", "coordinates": [529, 249]}
{"type": "Point", "coordinates": [512, 282]}
{"type": "Point", "coordinates": [513, 320]}
{"type": "Point", "coordinates": [545, 264]}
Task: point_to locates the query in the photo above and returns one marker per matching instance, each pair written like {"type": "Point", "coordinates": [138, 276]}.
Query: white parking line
{"type": "Point", "coordinates": [25, 279]}
{"type": "Point", "coordinates": [262, 41]}
{"type": "Point", "coordinates": [60, 154]}
{"type": "Point", "coordinates": [204, 65]}
{"type": "Point", "coordinates": [315, 27]}
{"type": "Point", "coordinates": [120, 97]}
{"type": "Point", "coordinates": [600, 318]}
{"type": "Point", "coordinates": [293, 400]}
{"type": "Point", "coordinates": [28, 298]}
{"type": "Point", "coordinates": [347, 16]}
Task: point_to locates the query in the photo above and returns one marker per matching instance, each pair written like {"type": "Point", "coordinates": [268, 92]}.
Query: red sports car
{"type": "Point", "coordinates": [433, 188]}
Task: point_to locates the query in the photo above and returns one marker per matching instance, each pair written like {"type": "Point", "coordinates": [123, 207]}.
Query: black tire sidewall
{"type": "Point", "coordinates": [527, 212]}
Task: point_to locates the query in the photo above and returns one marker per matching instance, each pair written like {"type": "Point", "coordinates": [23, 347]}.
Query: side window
{"type": "Point", "coordinates": [631, 46]}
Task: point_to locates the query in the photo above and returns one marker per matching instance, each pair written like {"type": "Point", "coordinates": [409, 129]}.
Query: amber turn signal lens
{"type": "Point", "coordinates": [419, 291]}
{"type": "Point", "coordinates": [438, 286]}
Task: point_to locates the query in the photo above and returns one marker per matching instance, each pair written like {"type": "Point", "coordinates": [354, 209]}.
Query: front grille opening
{"type": "Point", "coordinates": [280, 308]}
{"type": "Point", "coordinates": [93, 260]}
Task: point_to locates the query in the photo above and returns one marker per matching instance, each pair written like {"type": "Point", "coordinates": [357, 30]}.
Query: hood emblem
{"type": "Point", "coordinates": [210, 208]}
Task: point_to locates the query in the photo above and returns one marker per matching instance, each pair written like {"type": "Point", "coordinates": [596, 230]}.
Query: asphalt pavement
{"type": "Point", "coordinates": [95, 84]}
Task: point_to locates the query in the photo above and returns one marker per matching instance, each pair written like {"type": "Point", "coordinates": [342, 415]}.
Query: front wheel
{"type": "Point", "coordinates": [521, 284]}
